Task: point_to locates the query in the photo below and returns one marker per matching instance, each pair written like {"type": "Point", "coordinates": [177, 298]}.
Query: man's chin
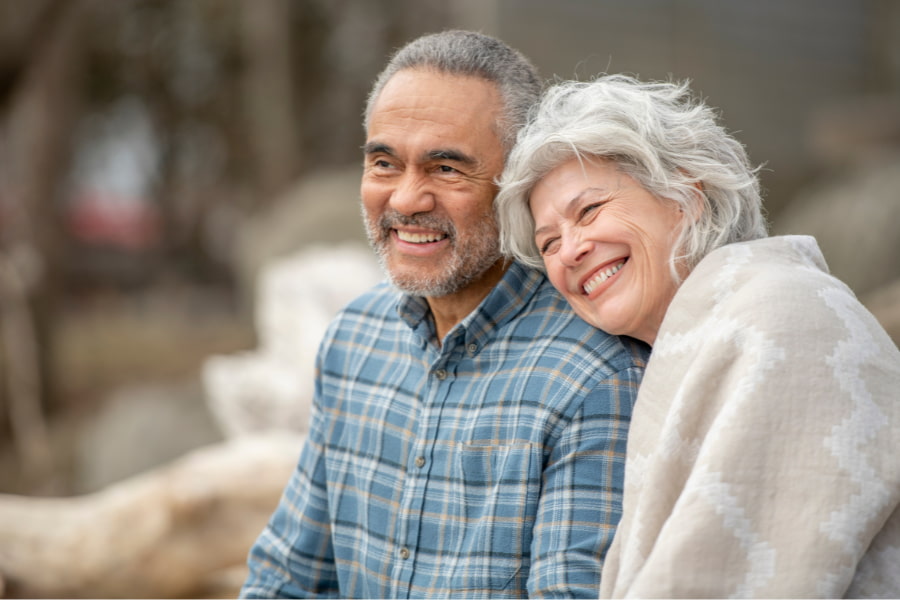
{"type": "Point", "coordinates": [419, 283]}
{"type": "Point", "coordinates": [434, 278]}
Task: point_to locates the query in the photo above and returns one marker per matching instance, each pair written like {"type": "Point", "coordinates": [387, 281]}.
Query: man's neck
{"type": "Point", "coordinates": [453, 308]}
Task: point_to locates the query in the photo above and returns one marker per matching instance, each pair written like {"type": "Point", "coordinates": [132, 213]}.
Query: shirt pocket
{"type": "Point", "coordinates": [499, 494]}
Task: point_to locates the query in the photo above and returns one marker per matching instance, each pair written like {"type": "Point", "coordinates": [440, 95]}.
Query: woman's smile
{"type": "Point", "coordinates": [602, 275]}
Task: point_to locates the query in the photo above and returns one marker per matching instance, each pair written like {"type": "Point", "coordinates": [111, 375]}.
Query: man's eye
{"type": "Point", "coordinates": [447, 169]}
{"type": "Point", "coordinates": [381, 163]}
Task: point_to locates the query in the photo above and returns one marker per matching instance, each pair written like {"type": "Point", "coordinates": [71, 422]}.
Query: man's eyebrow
{"type": "Point", "coordinates": [370, 148]}
{"type": "Point", "coordinates": [451, 155]}
{"type": "Point", "coordinates": [377, 148]}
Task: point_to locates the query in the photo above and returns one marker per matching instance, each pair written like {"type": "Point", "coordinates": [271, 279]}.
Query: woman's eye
{"type": "Point", "coordinates": [590, 208]}
{"type": "Point", "coordinates": [549, 246]}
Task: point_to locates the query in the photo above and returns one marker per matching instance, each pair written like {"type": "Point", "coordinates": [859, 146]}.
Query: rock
{"type": "Point", "coordinates": [271, 387]}
{"type": "Point", "coordinates": [855, 130]}
{"type": "Point", "coordinates": [141, 427]}
{"type": "Point", "coordinates": [884, 303]}
{"type": "Point", "coordinates": [322, 208]}
{"type": "Point", "coordinates": [855, 219]}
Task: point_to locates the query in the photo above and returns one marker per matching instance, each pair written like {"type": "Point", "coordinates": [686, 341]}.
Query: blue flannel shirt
{"type": "Point", "coordinates": [490, 465]}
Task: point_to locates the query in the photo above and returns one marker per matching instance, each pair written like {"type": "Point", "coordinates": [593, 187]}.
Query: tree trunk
{"type": "Point", "coordinates": [41, 119]}
{"type": "Point", "coordinates": [271, 123]}
{"type": "Point", "coordinates": [20, 351]}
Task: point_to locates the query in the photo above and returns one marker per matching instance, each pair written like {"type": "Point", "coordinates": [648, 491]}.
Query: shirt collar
{"type": "Point", "coordinates": [517, 286]}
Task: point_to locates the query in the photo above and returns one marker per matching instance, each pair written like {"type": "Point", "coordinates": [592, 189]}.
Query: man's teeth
{"type": "Point", "coordinates": [600, 277]}
{"type": "Point", "coordinates": [419, 238]}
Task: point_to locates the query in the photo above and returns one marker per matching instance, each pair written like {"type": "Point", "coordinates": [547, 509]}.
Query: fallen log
{"type": "Point", "coordinates": [166, 533]}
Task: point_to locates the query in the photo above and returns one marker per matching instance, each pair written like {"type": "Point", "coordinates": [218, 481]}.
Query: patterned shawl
{"type": "Point", "coordinates": [764, 450]}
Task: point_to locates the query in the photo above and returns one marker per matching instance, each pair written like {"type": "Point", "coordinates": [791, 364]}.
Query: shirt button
{"type": "Point", "coordinates": [472, 348]}
{"type": "Point", "coordinates": [420, 461]}
{"type": "Point", "coordinates": [441, 374]}
{"type": "Point", "coordinates": [404, 553]}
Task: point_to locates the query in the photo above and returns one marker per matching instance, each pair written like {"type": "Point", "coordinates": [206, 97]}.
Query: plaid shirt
{"type": "Point", "coordinates": [491, 465]}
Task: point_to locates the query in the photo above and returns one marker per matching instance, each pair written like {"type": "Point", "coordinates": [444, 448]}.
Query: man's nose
{"type": "Point", "coordinates": [413, 194]}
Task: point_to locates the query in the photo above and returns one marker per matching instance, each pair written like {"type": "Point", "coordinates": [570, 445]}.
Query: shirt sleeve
{"type": "Point", "coordinates": [581, 500]}
{"type": "Point", "coordinates": [293, 556]}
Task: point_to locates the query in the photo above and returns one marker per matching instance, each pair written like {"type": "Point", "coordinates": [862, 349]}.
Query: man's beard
{"type": "Point", "coordinates": [471, 255]}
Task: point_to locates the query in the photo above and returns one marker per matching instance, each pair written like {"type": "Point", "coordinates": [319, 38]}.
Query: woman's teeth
{"type": "Point", "coordinates": [600, 277]}
{"type": "Point", "coordinates": [419, 238]}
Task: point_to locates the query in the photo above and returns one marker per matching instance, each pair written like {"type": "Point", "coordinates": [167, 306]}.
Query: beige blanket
{"type": "Point", "coordinates": [764, 451]}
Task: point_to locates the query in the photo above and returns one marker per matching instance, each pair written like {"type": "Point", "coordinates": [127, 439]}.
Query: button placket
{"type": "Point", "coordinates": [409, 526]}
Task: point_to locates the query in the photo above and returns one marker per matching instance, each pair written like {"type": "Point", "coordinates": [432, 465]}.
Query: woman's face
{"type": "Point", "coordinates": [606, 243]}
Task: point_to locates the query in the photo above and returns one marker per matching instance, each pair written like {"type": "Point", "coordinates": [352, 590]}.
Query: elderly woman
{"type": "Point", "coordinates": [762, 454]}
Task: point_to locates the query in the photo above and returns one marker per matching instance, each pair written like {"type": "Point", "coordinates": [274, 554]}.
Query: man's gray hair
{"type": "Point", "coordinates": [471, 54]}
{"type": "Point", "coordinates": [657, 133]}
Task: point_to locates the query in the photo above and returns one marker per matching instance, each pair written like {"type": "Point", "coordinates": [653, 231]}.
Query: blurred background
{"type": "Point", "coordinates": [156, 155]}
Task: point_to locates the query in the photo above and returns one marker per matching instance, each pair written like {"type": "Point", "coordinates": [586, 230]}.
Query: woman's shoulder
{"type": "Point", "coordinates": [778, 284]}
{"type": "Point", "coordinates": [777, 273]}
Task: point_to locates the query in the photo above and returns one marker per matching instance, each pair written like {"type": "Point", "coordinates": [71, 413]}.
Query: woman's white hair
{"type": "Point", "coordinates": [657, 133]}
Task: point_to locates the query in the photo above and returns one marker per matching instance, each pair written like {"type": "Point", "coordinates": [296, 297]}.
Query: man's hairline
{"type": "Point", "coordinates": [501, 109]}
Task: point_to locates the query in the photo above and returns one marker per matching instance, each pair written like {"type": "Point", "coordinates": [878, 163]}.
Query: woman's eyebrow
{"type": "Point", "coordinates": [571, 204]}
{"type": "Point", "coordinates": [541, 230]}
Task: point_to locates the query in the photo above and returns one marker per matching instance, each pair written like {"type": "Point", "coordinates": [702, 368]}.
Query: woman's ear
{"type": "Point", "coordinates": [697, 202]}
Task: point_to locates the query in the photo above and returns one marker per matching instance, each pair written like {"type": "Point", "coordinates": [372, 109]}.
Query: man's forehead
{"type": "Point", "coordinates": [424, 115]}
{"type": "Point", "coordinates": [442, 99]}
{"type": "Point", "coordinates": [438, 81]}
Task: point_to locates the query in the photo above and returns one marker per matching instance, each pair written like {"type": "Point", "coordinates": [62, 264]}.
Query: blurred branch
{"type": "Point", "coordinates": [162, 534]}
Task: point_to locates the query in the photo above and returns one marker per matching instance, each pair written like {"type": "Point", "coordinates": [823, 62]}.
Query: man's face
{"type": "Point", "coordinates": [432, 155]}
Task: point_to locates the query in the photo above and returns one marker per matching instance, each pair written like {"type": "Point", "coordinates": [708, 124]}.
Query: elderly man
{"type": "Point", "coordinates": [468, 431]}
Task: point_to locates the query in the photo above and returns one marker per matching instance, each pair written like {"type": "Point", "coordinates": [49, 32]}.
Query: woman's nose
{"type": "Point", "coordinates": [573, 250]}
